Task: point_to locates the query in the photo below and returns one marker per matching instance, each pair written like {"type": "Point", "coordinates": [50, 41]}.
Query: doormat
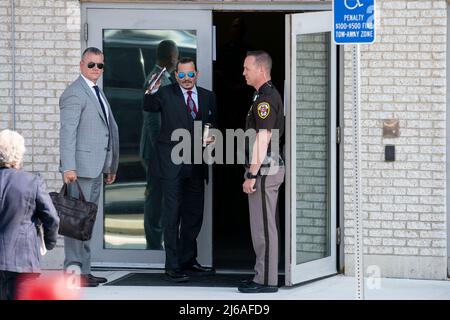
{"type": "Point", "coordinates": [160, 280]}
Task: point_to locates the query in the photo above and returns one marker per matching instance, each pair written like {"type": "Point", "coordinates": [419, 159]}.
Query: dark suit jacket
{"type": "Point", "coordinates": [24, 200]}
{"type": "Point", "coordinates": [169, 100]}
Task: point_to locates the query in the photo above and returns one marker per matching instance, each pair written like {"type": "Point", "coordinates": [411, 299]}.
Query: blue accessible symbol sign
{"type": "Point", "coordinates": [354, 21]}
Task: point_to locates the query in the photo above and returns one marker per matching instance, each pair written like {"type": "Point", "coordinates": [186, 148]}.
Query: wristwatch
{"type": "Point", "coordinates": [249, 175]}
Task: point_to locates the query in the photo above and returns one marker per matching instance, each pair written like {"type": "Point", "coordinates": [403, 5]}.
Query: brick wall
{"type": "Point", "coordinates": [5, 66]}
{"type": "Point", "coordinates": [312, 146]}
{"type": "Point", "coordinates": [404, 202]}
{"type": "Point", "coordinates": [47, 55]}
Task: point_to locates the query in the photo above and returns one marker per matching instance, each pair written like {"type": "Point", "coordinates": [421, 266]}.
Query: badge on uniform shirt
{"type": "Point", "coordinates": [263, 110]}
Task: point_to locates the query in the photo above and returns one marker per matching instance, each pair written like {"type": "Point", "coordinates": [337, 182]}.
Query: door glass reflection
{"type": "Point", "coordinates": [132, 215]}
{"type": "Point", "coordinates": [313, 217]}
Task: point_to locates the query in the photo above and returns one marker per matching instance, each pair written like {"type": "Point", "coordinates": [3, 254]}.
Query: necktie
{"type": "Point", "coordinates": [97, 91]}
{"type": "Point", "coordinates": [192, 108]}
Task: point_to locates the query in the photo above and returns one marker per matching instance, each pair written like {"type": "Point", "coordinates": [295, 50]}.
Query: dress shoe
{"type": "Point", "coordinates": [246, 282]}
{"type": "Point", "coordinates": [199, 270]}
{"type": "Point", "coordinates": [177, 276]}
{"type": "Point", "coordinates": [153, 247]}
{"type": "Point", "coordinates": [85, 281]}
{"type": "Point", "coordinates": [97, 279]}
{"type": "Point", "coordinates": [253, 287]}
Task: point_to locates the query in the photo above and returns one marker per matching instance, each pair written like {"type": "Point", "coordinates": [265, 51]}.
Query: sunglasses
{"type": "Point", "coordinates": [90, 65]}
{"type": "Point", "coordinates": [191, 74]}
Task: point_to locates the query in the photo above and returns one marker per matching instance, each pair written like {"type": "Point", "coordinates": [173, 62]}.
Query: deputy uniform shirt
{"type": "Point", "coordinates": [266, 112]}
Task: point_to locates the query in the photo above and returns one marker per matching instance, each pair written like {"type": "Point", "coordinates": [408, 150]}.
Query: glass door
{"type": "Point", "coordinates": [134, 42]}
{"type": "Point", "coordinates": [311, 147]}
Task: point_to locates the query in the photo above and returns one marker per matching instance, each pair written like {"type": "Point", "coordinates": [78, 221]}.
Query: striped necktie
{"type": "Point", "coordinates": [192, 108]}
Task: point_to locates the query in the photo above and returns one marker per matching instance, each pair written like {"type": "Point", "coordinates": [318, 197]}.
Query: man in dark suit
{"type": "Point", "coordinates": [181, 105]}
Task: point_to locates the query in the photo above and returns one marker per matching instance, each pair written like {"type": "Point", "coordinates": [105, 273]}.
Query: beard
{"type": "Point", "coordinates": [187, 83]}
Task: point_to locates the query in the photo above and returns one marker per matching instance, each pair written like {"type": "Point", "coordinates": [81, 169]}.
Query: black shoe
{"type": "Point", "coordinates": [199, 270]}
{"type": "Point", "coordinates": [253, 287]}
{"type": "Point", "coordinates": [154, 247]}
{"type": "Point", "coordinates": [97, 279]}
{"type": "Point", "coordinates": [246, 282]}
{"type": "Point", "coordinates": [177, 276]}
{"type": "Point", "coordinates": [85, 281]}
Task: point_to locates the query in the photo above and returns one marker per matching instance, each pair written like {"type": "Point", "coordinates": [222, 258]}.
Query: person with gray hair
{"type": "Point", "coordinates": [12, 149]}
{"type": "Point", "coordinates": [24, 203]}
{"type": "Point", "coordinates": [89, 149]}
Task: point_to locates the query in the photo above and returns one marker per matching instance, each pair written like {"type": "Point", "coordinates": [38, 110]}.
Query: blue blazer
{"type": "Point", "coordinates": [24, 200]}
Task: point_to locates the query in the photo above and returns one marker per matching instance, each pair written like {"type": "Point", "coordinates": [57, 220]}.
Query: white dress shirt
{"type": "Point", "coordinates": [91, 85]}
{"type": "Point", "coordinates": [194, 96]}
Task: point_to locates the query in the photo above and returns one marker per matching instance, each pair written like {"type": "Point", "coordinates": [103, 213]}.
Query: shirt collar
{"type": "Point", "coordinates": [89, 82]}
{"type": "Point", "coordinates": [194, 90]}
{"type": "Point", "coordinates": [265, 86]}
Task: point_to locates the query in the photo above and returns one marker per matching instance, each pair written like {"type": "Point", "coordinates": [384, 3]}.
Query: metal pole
{"type": "Point", "coordinates": [359, 274]}
{"type": "Point", "coordinates": [13, 54]}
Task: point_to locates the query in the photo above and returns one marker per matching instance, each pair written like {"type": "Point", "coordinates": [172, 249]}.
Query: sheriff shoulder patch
{"type": "Point", "coordinates": [263, 110]}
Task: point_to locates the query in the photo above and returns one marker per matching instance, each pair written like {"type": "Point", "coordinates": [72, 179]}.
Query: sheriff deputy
{"type": "Point", "coordinates": [264, 171]}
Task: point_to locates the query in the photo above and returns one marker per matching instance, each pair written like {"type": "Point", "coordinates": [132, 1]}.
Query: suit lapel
{"type": "Point", "coordinates": [182, 112]}
{"type": "Point", "coordinates": [202, 106]}
{"type": "Point", "coordinates": [93, 98]}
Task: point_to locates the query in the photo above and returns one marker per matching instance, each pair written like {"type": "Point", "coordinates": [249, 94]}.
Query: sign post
{"type": "Point", "coordinates": [354, 24]}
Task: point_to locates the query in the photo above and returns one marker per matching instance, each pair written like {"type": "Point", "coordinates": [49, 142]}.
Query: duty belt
{"type": "Point", "coordinates": [270, 161]}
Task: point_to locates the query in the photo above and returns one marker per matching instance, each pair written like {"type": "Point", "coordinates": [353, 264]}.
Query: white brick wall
{"type": "Point", "coordinates": [403, 76]}
{"type": "Point", "coordinates": [312, 148]}
{"type": "Point", "coordinates": [404, 203]}
{"type": "Point", "coordinates": [5, 65]}
{"type": "Point", "coordinates": [47, 54]}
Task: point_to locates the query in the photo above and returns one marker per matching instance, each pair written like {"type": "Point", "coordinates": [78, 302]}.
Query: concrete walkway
{"type": "Point", "coordinates": [335, 288]}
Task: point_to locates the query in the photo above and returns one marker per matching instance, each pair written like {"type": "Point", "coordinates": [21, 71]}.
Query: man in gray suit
{"type": "Point", "coordinates": [166, 56]}
{"type": "Point", "coordinates": [89, 148]}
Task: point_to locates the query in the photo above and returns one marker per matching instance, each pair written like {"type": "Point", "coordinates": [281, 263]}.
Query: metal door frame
{"type": "Point", "coordinates": [307, 23]}
{"type": "Point", "coordinates": [85, 30]}
{"type": "Point", "coordinates": [116, 18]}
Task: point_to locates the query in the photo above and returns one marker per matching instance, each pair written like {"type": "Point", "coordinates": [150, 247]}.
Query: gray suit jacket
{"type": "Point", "coordinates": [86, 141]}
{"type": "Point", "coordinates": [151, 123]}
{"type": "Point", "coordinates": [23, 201]}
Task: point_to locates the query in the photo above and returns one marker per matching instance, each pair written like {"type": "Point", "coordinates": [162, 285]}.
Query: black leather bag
{"type": "Point", "coordinates": [77, 216]}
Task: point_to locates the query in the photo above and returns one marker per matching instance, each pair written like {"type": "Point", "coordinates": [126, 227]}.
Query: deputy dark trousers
{"type": "Point", "coordinates": [263, 225]}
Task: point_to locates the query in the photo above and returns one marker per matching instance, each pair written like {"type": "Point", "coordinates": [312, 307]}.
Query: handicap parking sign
{"type": "Point", "coordinates": [354, 21]}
